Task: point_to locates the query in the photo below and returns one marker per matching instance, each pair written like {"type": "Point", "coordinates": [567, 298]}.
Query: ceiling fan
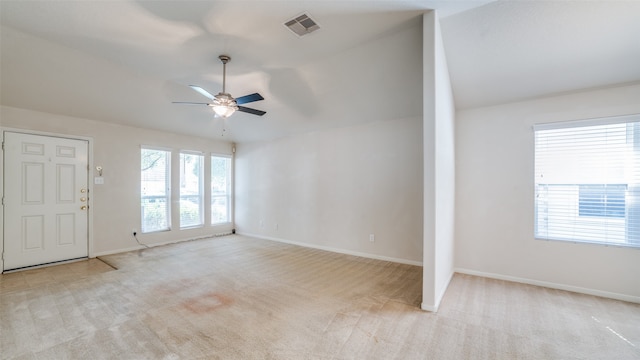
{"type": "Point", "coordinates": [223, 104]}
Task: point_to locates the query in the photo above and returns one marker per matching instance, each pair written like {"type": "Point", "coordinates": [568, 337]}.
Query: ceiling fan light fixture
{"type": "Point", "coordinates": [224, 105]}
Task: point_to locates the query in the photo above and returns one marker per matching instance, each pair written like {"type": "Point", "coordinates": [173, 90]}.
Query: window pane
{"type": "Point", "coordinates": [155, 212]}
{"type": "Point", "coordinates": [154, 189]}
{"type": "Point", "coordinates": [219, 210]}
{"type": "Point", "coordinates": [602, 200]}
{"type": "Point", "coordinates": [588, 183]}
{"type": "Point", "coordinates": [220, 189]}
{"type": "Point", "coordinates": [191, 190]}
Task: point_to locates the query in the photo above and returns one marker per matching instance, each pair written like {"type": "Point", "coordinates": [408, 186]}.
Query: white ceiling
{"type": "Point", "coordinates": [125, 61]}
{"type": "Point", "coordinates": [513, 50]}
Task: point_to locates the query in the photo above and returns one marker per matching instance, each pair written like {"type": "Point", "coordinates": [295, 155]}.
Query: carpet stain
{"type": "Point", "coordinates": [207, 303]}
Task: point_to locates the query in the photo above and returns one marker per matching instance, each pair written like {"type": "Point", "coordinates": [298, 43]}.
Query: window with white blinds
{"type": "Point", "coordinates": [587, 181]}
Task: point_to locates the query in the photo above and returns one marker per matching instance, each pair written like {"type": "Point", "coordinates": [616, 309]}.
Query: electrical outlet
{"type": "Point", "coordinates": [372, 237]}
{"type": "Point", "coordinates": [276, 226]}
{"type": "Point", "coordinates": [134, 232]}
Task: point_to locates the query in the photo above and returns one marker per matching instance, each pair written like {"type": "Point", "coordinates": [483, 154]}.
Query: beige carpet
{"type": "Point", "coordinates": [241, 298]}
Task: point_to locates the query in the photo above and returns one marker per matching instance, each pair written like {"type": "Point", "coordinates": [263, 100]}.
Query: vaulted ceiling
{"type": "Point", "coordinates": [126, 61]}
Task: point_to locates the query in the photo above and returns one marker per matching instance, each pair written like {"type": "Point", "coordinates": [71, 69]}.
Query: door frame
{"type": "Point", "coordinates": [90, 176]}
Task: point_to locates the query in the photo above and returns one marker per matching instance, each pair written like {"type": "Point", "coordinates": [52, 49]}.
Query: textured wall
{"type": "Point", "coordinates": [439, 167]}
{"type": "Point", "coordinates": [332, 189]}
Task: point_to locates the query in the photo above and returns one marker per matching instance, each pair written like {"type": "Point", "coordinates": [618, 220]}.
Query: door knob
{"type": "Point", "coordinates": [83, 190]}
{"type": "Point", "coordinates": [83, 199]}
{"type": "Point", "coordinates": [83, 207]}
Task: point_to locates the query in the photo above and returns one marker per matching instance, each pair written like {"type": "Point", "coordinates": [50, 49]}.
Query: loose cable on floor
{"type": "Point", "coordinates": [138, 241]}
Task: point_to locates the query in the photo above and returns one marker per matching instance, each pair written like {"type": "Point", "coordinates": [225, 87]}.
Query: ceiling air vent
{"type": "Point", "coordinates": [302, 25]}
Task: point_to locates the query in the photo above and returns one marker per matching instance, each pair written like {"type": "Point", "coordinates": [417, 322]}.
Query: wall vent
{"type": "Point", "coordinates": [302, 25]}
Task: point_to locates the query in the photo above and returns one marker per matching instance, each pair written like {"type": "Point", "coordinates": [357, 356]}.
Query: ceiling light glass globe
{"type": "Point", "coordinates": [223, 110]}
{"type": "Point", "coordinates": [224, 105]}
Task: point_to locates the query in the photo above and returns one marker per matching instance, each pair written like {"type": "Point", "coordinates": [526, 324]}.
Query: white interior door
{"type": "Point", "coordinates": [45, 199]}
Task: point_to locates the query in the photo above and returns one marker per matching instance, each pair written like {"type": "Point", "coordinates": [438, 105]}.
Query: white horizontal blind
{"type": "Point", "coordinates": [587, 182]}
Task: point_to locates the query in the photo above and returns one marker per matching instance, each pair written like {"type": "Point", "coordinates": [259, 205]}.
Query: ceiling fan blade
{"type": "Point", "coordinates": [202, 91]}
{"type": "Point", "coordinates": [251, 111]}
{"type": "Point", "coordinates": [249, 98]}
{"type": "Point", "coordinates": [189, 103]}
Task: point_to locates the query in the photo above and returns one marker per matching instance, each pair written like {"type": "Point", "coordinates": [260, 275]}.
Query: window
{"type": "Point", "coordinates": [587, 181]}
{"type": "Point", "coordinates": [220, 189]}
{"type": "Point", "coordinates": [602, 200]}
{"type": "Point", "coordinates": [155, 189]}
{"type": "Point", "coordinates": [191, 194]}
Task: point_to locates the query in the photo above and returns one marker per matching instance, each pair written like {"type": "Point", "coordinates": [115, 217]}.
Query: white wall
{"type": "Point", "coordinates": [115, 206]}
{"type": "Point", "coordinates": [439, 167]}
{"type": "Point", "coordinates": [331, 189]}
{"type": "Point", "coordinates": [495, 198]}
{"type": "Point", "coordinates": [445, 170]}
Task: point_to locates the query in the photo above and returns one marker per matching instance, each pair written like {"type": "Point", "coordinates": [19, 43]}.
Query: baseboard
{"type": "Point", "coordinates": [576, 289]}
{"type": "Point", "coordinates": [434, 308]}
{"type": "Point", "coordinates": [118, 251]}
{"type": "Point", "coordinates": [430, 308]}
{"type": "Point", "coordinates": [444, 290]}
{"type": "Point", "coordinates": [336, 250]}
{"type": "Point", "coordinates": [141, 247]}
